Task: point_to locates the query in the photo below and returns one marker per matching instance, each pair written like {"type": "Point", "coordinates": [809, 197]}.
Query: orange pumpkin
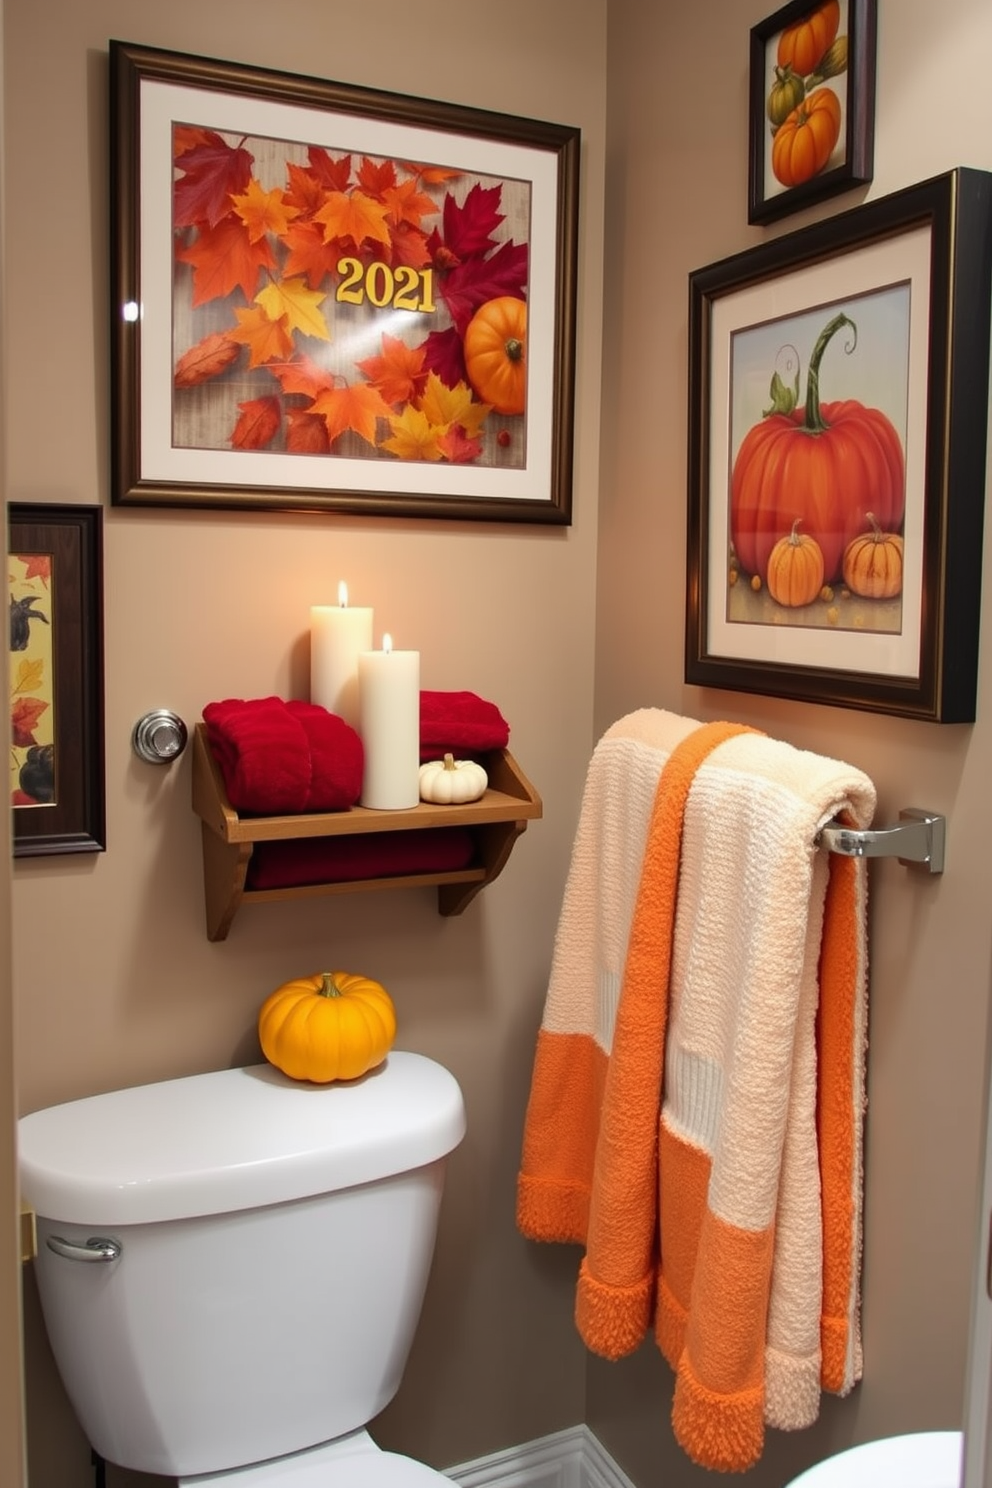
{"type": "Point", "coordinates": [802, 44]}
{"type": "Point", "coordinates": [873, 563]}
{"type": "Point", "coordinates": [824, 464]}
{"type": "Point", "coordinates": [795, 569]}
{"type": "Point", "coordinates": [804, 142]}
{"type": "Point", "coordinates": [495, 347]}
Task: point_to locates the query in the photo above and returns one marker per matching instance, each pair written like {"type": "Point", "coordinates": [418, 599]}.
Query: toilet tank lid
{"type": "Point", "coordinates": [233, 1139]}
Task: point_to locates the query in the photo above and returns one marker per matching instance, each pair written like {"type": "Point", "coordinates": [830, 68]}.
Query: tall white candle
{"type": "Point", "coordinates": [389, 708]}
{"type": "Point", "coordinates": [338, 635]}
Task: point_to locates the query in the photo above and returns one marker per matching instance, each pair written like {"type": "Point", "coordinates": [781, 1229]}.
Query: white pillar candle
{"type": "Point", "coordinates": [338, 635]}
{"type": "Point", "coordinates": [389, 708]}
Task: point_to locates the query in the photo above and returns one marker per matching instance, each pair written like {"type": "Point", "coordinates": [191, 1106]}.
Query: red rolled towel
{"type": "Point", "coordinates": [459, 723]}
{"type": "Point", "coordinates": [314, 860]}
{"type": "Point", "coordinates": [281, 758]}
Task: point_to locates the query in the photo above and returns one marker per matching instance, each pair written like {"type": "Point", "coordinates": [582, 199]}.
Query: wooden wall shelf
{"type": "Point", "coordinates": [495, 820]}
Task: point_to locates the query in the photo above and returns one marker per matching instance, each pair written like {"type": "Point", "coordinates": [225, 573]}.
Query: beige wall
{"type": "Point", "coordinates": [114, 979]}
{"type": "Point", "coordinates": [676, 200]}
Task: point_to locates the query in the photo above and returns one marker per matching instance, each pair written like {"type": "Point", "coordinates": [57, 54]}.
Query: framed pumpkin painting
{"type": "Point", "coordinates": [811, 104]}
{"type": "Point", "coordinates": [836, 488]}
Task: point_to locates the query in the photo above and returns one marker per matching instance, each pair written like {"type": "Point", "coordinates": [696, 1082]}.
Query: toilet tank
{"type": "Point", "coordinates": [274, 1238]}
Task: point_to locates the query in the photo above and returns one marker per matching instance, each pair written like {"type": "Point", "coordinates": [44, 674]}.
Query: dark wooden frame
{"type": "Point", "coordinates": [545, 491]}
{"type": "Point", "coordinates": [955, 210]}
{"type": "Point", "coordinates": [73, 535]}
{"type": "Point", "coordinates": [859, 132]}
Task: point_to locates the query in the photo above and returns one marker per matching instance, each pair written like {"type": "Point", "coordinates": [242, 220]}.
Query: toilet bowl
{"type": "Point", "coordinates": [921, 1459]}
{"type": "Point", "coordinates": [231, 1266]}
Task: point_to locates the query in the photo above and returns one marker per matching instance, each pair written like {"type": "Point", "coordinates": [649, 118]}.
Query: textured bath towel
{"type": "Point", "coordinates": [753, 980]}
{"type": "Point", "coordinates": [280, 757]}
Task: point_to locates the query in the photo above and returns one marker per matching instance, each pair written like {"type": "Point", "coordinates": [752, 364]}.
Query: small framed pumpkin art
{"type": "Point", "coordinates": [334, 298]}
{"type": "Point", "coordinates": [811, 104]}
{"type": "Point", "coordinates": [836, 487]}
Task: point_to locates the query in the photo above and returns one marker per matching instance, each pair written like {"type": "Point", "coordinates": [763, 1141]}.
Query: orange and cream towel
{"type": "Point", "coordinates": [706, 1131]}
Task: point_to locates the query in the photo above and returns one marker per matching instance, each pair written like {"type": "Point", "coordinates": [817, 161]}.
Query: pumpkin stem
{"type": "Point", "coordinates": [328, 986]}
{"type": "Point", "coordinates": [449, 761]}
{"type": "Point", "coordinates": [514, 349]}
{"type": "Point", "coordinates": [814, 422]}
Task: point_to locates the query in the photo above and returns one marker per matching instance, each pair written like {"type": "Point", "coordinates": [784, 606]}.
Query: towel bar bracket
{"type": "Point", "coordinates": [917, 840]}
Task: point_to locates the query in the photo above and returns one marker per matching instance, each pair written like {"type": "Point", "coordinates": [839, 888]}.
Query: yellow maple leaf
{"type": "Point", "coordinates": [414, 437]}
{"type": "Point", "coordinates": [28, 678]}
{"type": "Point", "coordinates": [353, 215]}
{"type": "Point", "coordinates": [292, 299]}
{"type": "Point", "coordinates": [267, 340]}
{"type": "Point", "coordinates": [452, 406]}
{"type": "Point", "coordinates": [264, 211]}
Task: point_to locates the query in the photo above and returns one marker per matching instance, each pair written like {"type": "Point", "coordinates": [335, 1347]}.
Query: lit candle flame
{"type": "Point", "coordinates": [343, 594]}
{"type": "Point", "coordinates": [387, 643]}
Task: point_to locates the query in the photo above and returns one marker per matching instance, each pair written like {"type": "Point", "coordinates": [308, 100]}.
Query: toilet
{"type": "Point", "coordinates": [920, 1459]}
{"type": "Point", "coordinates": [231, 1266]}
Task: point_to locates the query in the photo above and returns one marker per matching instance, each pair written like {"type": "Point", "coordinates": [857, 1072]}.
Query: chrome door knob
{"type": "Point", "coordinates": [159, 737]}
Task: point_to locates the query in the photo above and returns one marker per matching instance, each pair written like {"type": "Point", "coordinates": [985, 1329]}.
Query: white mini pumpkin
{"type": "Point", "coordinates": [451, 782]}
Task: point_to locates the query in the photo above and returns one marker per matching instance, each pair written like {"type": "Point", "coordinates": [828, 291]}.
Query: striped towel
{"type": "Point", "coordinates": [695, 1118]}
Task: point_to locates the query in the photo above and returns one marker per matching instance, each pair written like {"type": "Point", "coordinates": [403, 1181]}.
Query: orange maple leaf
{"type": "Point", "coordinates": [356, 408]}
{"type": "Point", "coordinates": [267, 340]}
{"type": "Point", "coordinates": [309, 254]}
{"type": "Point", "coordinates": [264, 211]}
{"type": "Point", "coordinates": [397, 372]}
{"type": "Point", "coordinates": [407, 204]}
{"type": "Point", "coordinates": [305, 190]}
{"type": "Point", "coordinates": [209, 357]}
{"type": "Point", "coordinates": [459, 449]}
{"type": "Point", "coordinates": [302, 375]}
{"type": "Point", "coordinates": [413, 436]}
{"type": "Point", "coordinates": [410, 246]}
{"type": "Point", "coordinates": [258, 424]}
{"type": "Point", "coordinates": [36, 566]}
{"type": "Point", "coordinates": [353, 215]}
{"type": "Point", "coordinates": [224, 259]}
{"type": "Point", "coordinates": [431, 175]}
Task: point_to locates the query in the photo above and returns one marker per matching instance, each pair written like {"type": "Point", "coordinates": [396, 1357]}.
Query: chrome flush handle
{"type": "Point", "coordinates": [96, 1248]}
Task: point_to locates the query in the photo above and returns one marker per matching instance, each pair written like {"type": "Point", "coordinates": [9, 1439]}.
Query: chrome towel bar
{"type": "Point", "coordinates": [917, 839]}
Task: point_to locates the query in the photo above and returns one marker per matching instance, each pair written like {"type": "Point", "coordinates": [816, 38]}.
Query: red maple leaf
{"type": "Point", "coordinates": [24, 715]}
{"type": "Point", "coordinates": [377, 176]}
{"type": "Point", "coordinates": [445, 355]}
{"type": "Point", "coordinates": [306, 433]}
{"type": "Point", "coordinates": [258, 424]}
{"type": "Point", "coordinates": [480, 279]}
{"type": "Point", "coordinates": [469, 229]}
{"type": "Point", "coordinates": [213, 172]}
{"type": "Point", "coordinates": [458, 448]}
{"type": "Point", "coordinates": [332, 174]}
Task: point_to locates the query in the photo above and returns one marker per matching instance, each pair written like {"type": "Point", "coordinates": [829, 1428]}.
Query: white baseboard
{"type": "Point", "coordinates": [573, 1458]}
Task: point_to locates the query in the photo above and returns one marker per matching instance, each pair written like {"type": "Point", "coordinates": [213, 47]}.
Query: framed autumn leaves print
{"type": "Point", "coordinates": [56, 768]}
{"type": "Point", "coordinates": [836, 488]}
{"type": "Point", "coordinates": [334, 298]}
{"type": "Point", "coordinates": [812, 104]}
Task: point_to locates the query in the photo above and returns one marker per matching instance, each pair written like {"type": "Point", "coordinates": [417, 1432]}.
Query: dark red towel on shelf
{"type": "Point", "coordinates": [314, 860]}
{"type": "Point", "coordinates": [459, 723]}
{"type": "Point", "coordinates": [284, 758]}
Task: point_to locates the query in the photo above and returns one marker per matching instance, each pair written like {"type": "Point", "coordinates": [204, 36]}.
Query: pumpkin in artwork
{"type": "Point", "coordinates": [823, 466]}
{"type": "Point", "coordinates": [495, 346]}
{"type": "Point", "coordinates": [802, 44]}
{"type": "Point", "coordinates": [873, 563]}
{"type": "Point", "coordinates": [795, 569]}
{"type": "Point", "coordinates": [335, 1025]}
{"type": "Point", "coordinates": [805, 140]}
{"type": "Point", "coordinates": [786, 93]}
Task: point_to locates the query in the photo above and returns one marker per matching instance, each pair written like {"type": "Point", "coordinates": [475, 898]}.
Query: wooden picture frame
{"type": "Point", "coordinates": [296, 264]}
{"type": "Point", "coordinates": [811, 109]}
{"type": "Point", "coordinates": [55, 579]}
{"type": "Point", "coordinates": [865, 322]}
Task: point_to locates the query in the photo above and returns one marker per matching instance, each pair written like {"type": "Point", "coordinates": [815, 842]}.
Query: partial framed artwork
{"type": "Point", "coordinates": [811, 123]}
{"type": "Point", "coordinates": [57, 773]}
{"type": "Point", "coordinates": [331, 298]}
{"type": "Point", "coordinates": [836, 487]}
